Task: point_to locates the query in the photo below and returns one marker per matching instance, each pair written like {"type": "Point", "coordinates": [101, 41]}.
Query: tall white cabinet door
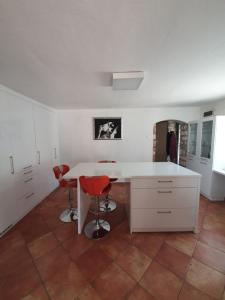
{"type": "Point", "coordinates": [193, 146]}
{"type": "Point", "coordinates": [7, 202]}
{"type": "Point", "coordinates": [21, 132]}
{"type": "Point", "coordinates": [45, 181]}
{"type": "Point", "coordinates": [54, 138]}
{"type": "Point", "coordinates": [206, 156]}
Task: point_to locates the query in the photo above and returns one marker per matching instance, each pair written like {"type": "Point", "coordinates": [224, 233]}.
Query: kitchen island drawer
{"type": "Point", "coordinates": [163, 219]}
{"type": "Point", "coordinates": [158, 182]}
{"type": "Point", "coordinates": [164, 198]}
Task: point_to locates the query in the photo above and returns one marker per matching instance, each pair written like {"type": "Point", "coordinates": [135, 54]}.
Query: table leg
{"type": "Point", "coordinates": [83, 203]}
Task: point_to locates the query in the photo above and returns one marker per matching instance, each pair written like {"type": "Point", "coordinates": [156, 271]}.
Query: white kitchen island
{"type": "Point", "coordinates": [164, 196]}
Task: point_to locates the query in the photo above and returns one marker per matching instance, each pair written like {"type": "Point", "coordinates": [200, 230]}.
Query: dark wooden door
{"type": "Point", "coordinates": [161, 139]}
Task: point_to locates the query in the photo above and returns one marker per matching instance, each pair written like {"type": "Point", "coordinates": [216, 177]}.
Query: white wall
{"type": "Point", "coordinates": [217, 107]}
{"type": "Point", "coordinates": [76, 133]}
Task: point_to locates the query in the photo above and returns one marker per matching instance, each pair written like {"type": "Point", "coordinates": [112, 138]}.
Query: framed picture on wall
{"type": "Point", "coordinates": [107, 128]}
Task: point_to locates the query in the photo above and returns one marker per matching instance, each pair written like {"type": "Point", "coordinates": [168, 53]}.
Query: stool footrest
{"type": "Point", "coordinates": [96, 231]}
{"type": "Point", "coordinates": [107, 205]}
{"type": "Point", "coordinates": [69, 215]}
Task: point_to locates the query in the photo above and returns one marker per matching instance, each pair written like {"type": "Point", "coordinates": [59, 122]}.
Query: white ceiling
{"type": "Point", "coordinates": [63, 53]}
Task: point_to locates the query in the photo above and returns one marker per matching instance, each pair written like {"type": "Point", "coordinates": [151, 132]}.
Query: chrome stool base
{"type": "Point", "coordinates": [69, 215]}
{"type": "Point", "coordinates": [97, 231]}
{"type": "Point", "coordinates": [107, 206]}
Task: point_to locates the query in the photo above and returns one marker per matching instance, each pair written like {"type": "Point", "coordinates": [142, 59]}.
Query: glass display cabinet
{"type": "Point", "coordinates": [192, 141]}
{"type": "Point", "coordinates": [206, 141]}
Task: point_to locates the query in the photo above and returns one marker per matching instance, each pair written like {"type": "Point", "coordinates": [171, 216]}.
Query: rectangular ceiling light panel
{"type": "Point", "coordinates": [127, 80]}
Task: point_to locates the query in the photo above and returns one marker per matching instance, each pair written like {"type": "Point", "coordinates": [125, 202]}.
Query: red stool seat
{"type": "Point", "coordinates": [96, 187]}
{"type": "Point", "coordinates": [70, 214]}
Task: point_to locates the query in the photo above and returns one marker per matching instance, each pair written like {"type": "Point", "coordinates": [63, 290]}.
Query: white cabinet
{"type": "Point", "coordinates": [45, 181]}
{"type": "Point", "coordinates": [16, 155]}
{"type": "Point", "coordinates": [207, 156]}
{"type": "Point", "coordinates": [7, 202]}
{"type": "Point", "coordinates": [20, 132]}
{"type": "Point", "coordinates": [164, 203]}
{"type": "Point", "coordinates": [219, 145]}
{"type": "Point", "coordinates": [28, 137]}
{"type": "Point", "coordinates": [193, 146]}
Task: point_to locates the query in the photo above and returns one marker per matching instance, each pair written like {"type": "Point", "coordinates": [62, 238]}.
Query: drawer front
{"type": "Point", "coordinates": [163, 218]}
{"type": "Point", "coordinates": [164, 198]}
{"type": "Point", "coordinates": [157, 182]}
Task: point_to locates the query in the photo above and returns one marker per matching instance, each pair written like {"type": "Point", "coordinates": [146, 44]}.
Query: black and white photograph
{"type": "Point", "coordinates": [107, 129]}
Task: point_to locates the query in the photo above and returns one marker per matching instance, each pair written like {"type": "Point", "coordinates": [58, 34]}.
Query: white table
{"type": "Point", "coordinates": [147, 178]}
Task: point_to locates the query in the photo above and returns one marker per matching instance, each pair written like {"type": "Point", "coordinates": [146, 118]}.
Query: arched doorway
{"type": "Point", "coordinates": [170, 141]}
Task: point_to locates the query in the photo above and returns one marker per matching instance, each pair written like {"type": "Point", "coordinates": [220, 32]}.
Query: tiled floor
{"type": "Point", "coordinates": [42, 258]}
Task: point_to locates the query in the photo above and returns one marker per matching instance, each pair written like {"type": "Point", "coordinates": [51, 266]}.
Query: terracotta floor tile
{"type": "Point", "coordinates": [173, 259]}
{"type": "Point", "coordinates": [216, 207]}
{"type": "Point", "coordinates": [214, 222]}
{"type": "Point", "coordinates": [89, 294]}
{"type": "Point", "coordinates": [66, 283]}
{"type": "Point", "coordinates": [33, 228]}
{"type": "Point", "coordinates": [42, 245]}
{"type": "Point", "coordinates": [89, 263]}
{"type": "Point", "coordinates": [210, 256]}
{"type": "Point", "coordinates": [138, 293]}
{"type": "Point", "coordinates": [122, 231]}
{"type": "Point", "coordinates": [112, 246]}
{"type": "Point", "coordinates": [11, 240]}
{"type": "Point", "coordinates": [213, 239]}
{"type": "Point", "coordinates": [206, 279]}
{"type": "Point", "coordinates": [216, 214]}
{"type": "Point", "coordinates": [149, 243]}
{"type": "Point", "coordinates": [134, 262]}
{"type": "Point", "coordinates": [38, 294]}
{"type": "Point", "coordinates": [184, 242]}
{"type": "Point", "coordinates": [77, 245]}
{"type": "Point", "coordinates": [66, 231]}
{"type": "Point", "coordinates": [160, 282]}
{"type": "Point", "coordinates": [188, 292]}
{"type": "Point", "coordinates": [113, 283]}
{"type": "Point", "coordinates": [203, 204]}
{"type": "Point", "coordinates": [52, 262]}
{"type": "Point", "coordinates": [201, 216]}
{"type": "Point", "coordinates": [51, 217]}
{"type": "Point", "coordinates": [93, 262]}
{"type": "Point", "coordinates": [14, 256]}
{"type": "Point", "coordinates": [19, 284]}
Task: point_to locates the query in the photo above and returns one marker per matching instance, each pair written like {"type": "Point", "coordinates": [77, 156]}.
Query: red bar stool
{"type": "Point", "coordinates": [69, 214]}
{"type": "Point", "coordinates": [108, 204]}
{"type": "Point", "coordinates": [96, 187]}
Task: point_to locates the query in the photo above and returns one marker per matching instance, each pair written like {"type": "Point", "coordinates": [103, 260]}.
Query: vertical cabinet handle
{"type": "Point", "coordinates": [12, 164]}
{"type": "Point", "coordinates": [39, 157]}
{"type": "Point", "coordinates": [55, 154]}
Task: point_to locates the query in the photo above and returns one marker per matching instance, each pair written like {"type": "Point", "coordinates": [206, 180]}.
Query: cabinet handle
{"type": "Point", "coordinates": [39, 156]}
{"type": "Point", "coordinates": [12, 164]}
{"type": "Point", "coordinates": [203, 159]}
{"type": "Point", "coordinates": [25, 181]}
{"type": "Point", "coordinates": [28, 167]}
{"type": "Point", "coordinates": [165, 192]}
{"type": "Point", "coordinates": [164, 181]}
{"type": "Point", "coordinates": [203, 163]}
{"type": "Point", "coordinates": [30, 195]}
{"type": "Point", "coordinates": [164, 212]}
{"type": "Point", "coordinates": [55, 155]}
{"type": "Point", "coordinates": [28, 172]}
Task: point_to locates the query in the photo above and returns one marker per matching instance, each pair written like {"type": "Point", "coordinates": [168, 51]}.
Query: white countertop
{"type": "Point", "coordinates": [220, 171]}
{"type": "Point", "coordinates": [129, 170]}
